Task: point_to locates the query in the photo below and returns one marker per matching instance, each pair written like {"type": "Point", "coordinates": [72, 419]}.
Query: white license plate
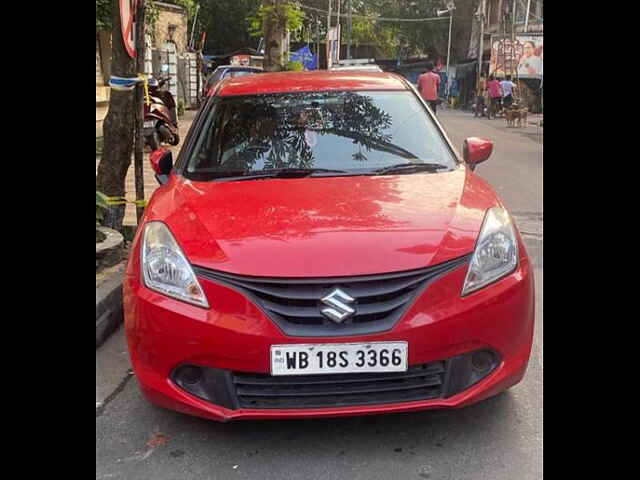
{"type": "Point", "coordinates": [149, 124]}
{"type": "Point", "coordinates": [319, 358]}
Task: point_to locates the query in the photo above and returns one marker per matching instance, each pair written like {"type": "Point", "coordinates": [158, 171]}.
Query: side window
{"type": "Point", "coordinates": [195, 126]}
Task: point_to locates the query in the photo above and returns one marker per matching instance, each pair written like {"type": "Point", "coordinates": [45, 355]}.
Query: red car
{"type": "Point", "coordinates": [320, 249]}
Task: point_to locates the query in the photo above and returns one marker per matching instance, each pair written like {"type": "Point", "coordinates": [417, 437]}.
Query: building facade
{"type": "Point", "coordinates": [171, 26]}
{"type": "Point", "coordinates": [522, 59]}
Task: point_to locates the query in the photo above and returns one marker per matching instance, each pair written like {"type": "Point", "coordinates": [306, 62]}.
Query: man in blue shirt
{"type": "Point", "coordinates": [507, 91]}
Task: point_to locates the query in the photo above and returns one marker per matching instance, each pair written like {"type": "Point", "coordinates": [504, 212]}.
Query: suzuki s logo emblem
{"type": "Point", "coordinates": [340, 306]}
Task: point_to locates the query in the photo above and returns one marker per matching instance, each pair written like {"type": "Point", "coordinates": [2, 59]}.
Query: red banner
{"type": "Point", "coordinates": [127, 14]}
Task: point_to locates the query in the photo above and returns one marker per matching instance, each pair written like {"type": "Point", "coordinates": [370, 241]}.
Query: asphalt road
{"type": "Point", "coordinates": [500, 438]}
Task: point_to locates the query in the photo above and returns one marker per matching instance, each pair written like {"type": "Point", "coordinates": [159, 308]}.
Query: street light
{"type": "Point", "coordinates": [450, 8]}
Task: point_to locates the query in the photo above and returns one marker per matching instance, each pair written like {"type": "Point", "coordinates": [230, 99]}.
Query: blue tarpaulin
{"type": "Point", "coordinates": [304, 55]}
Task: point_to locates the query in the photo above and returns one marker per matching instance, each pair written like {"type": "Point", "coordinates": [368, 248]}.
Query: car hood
{"type": "Point", "coordinates": [325, 226]}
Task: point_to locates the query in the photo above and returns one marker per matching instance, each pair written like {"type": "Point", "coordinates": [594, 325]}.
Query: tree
{"type": "Point", "coordinates": [273, 20]}
{"type": "Point", "coordinates": [274, 29]}
{"type": "Point", "coordinates": [118, 127]}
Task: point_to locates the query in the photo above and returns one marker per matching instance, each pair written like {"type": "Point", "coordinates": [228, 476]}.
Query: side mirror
{"type": "Point", "coordinates": [476, 150]}
{"type": "Point", "coordinates": [161, 163]}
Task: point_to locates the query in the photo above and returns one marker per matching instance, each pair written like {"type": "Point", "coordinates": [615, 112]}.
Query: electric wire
{"type": "Point", "coordinates": [382, 19]}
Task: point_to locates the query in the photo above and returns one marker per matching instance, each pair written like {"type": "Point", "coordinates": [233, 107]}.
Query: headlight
{"type": "Point", "coordinates": [496, 253]}
{"type": "Point", "coordinates": [166, 269]}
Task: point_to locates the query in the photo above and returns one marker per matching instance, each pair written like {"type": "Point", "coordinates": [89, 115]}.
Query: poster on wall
{"type": "Point", "coordinates": [524, 57]}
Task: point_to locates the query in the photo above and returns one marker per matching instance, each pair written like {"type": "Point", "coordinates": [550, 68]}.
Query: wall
{"type": "Point", "coordinates": [103, 48]}
{"type": "Point", "coordinates": [171, 15]}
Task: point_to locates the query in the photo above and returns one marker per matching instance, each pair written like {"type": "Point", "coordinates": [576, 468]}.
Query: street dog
{"type": "Point", "coordinates": [510, 116]}
{"type": "Point", "coordinates": [516, 116]}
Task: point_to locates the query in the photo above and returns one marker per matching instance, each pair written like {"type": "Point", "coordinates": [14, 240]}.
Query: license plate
{"type": "Point", "coordinates": [149, 124]}
{"type": "Point", "coordinates": [313, 359]}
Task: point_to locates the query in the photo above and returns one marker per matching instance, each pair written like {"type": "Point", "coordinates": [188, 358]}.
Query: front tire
{"type": "Point", "coordinates": [153, 141]}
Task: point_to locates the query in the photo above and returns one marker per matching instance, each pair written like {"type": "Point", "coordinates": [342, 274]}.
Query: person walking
{"type": "Point", "coordinates": [428, 84]}
{"type": "Point", "coordinates": [507, 91]}
{"type": "Point", "coordinates": [495, 96]}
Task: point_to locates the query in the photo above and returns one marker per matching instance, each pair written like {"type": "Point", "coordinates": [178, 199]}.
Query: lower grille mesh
{"type": "Point", "coordinates": [420, 382]}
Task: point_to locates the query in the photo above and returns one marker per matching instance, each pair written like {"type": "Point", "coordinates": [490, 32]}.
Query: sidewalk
{"type": "Point", "coordinates": [534, 119]}
{"type": "Point", "coordinates": [150, 182]}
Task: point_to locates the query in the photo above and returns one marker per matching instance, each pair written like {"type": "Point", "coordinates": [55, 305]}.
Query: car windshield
{"type": "Point", "coordinates": [346, 132]}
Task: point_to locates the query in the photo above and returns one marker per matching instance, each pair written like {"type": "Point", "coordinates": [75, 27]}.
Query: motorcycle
{"type": "Point", "coordinates": [160, 119]}
{"type": "Point", "coordinates": [479, 107]}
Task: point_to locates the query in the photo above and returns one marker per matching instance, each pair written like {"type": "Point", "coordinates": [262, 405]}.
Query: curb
{"type": "Point", "coordinates": [109, 312]}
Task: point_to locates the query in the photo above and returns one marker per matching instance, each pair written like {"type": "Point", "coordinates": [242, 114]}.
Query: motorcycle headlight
{"type": "Point", "coordinates": [166, 269]}
{"type": "Point", "coordinates": [496, 252]}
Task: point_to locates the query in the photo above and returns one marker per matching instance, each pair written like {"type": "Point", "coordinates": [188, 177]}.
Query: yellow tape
{"type": "Point", "coordinates": [145, 84]}
{"type": "Point", "coordinates": [124, 201]}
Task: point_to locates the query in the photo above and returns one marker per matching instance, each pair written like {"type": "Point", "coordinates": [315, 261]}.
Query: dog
{"type": "Point", "coordinates": [523, 116]}
{"type": "Point", "coordinates": [510, 114]}
{"type": "Point", "coordinates": [516, 116]}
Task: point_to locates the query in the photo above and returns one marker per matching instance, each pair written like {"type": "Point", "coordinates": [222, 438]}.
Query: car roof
{"type": "Point", "coordinates": [283, 82]}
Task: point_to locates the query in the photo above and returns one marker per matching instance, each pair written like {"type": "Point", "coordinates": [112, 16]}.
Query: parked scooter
{"type": "Point", "coordinates": [160, 117]}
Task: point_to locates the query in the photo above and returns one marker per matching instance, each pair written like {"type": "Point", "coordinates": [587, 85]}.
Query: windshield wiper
{"type": "Point", "coordinates": [410, 168]}
{"type": "Point", "coordinates": [279, 173]}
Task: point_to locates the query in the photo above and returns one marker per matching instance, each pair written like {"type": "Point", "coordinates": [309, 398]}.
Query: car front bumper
{"type": "Point", "coordinates": [235, 336]}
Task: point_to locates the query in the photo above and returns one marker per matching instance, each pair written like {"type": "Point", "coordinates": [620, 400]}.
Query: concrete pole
{"type": "Point", "coordinates": [448, 55]}
{"type": "Point", "coordinates": [483, 5]}
{"type": "Point", "coordinates": [339, 32]}
{"type": "Point", "coordinates": [193, 27]}
{"type": "Point", "coordinates": [526, 18]}
{"type": "Point", "coordinates": [327, 46]}
{"type": "Point", "coordinates": [317, 43]}
{"type": "Point", "coordinates": [349, 30]}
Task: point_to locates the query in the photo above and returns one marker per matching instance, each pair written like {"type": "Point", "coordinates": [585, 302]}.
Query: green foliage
{"type": "Point", "coordinates": [103, 14]}
{"type": "Point", "coordinates": [180, 108]}
{"type": "Point", "coordinates": [102, 206]}
{"type": "Point", "coordinates": [294, 67]}
{"type": "Point", "coordinates": [151, 16]}
{"type": "Point", "coordinates": [288, 13]}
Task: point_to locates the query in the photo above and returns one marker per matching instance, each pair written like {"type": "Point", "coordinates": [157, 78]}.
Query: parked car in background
{"type": "Point", "coordinates": [224, 71]}
{"type": "Point", "coordinates": [321, 249]}
{"type": "Point", "coordinates": [360, 68]}
{"type": "Point", "coordinates": [359, 64]}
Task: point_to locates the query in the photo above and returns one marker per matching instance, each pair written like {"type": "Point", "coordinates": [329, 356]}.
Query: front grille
{"type": "Point", "coordinates": [294, 304]}
{"type": "Point", "coordinates": [419, 382]}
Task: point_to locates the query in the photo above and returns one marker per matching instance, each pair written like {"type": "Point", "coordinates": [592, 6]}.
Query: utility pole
{"type": "Point", "coordinates": [317, 43]}
{"type": "Point", "coordinates": [139, 109]}
{"type": "Point", "coordinates": [514, 65]}
{"type": "Point", "coordinates": [193, 27]}
{"type": "Point", "coordinates": [338, 32]}
{"type": "Point", "coordinates": [481, 20]}
{"type": "Point", "coordinates": [526, 18]}
{"type": "Point", "coordinates": [451, 7]}
{"type": "Point", "coordinates": [327, 46]}
{"type": "Point", "coordinates": [349, 29]}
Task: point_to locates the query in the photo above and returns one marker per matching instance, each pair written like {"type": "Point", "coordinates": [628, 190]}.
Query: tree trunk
{"type": "Point", "coordinates": [275, 33]}
{"type": "Point", "coordinates": [118, 128]}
